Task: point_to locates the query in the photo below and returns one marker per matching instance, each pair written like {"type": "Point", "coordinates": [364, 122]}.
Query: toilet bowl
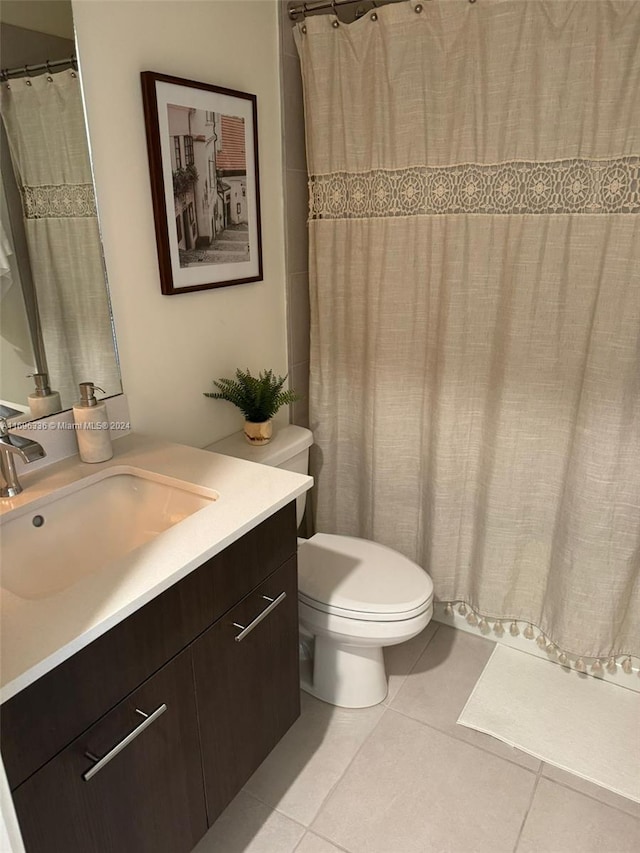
{"type": "Point", "coordinates": [354, 596]}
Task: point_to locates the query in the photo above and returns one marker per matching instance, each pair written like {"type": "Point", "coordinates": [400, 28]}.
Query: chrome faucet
{"type": "Point", "coordinates": [10, 446]}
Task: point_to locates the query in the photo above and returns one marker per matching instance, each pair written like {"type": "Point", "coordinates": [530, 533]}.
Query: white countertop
{"type": "Point", "coordinates": [38, 634]}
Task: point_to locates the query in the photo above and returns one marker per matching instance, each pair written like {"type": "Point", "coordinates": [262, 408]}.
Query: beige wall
{"type": "Point", "coordinates": [171, 347]}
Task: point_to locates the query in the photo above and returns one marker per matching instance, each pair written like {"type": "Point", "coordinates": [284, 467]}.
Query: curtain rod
{"type": "Point", "coordinates": [303, 8]}
{"type": "Point", "coordinates": [26, 70]}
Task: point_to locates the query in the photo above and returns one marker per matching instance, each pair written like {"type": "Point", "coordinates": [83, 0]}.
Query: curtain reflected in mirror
{"type": "Point", "coordinates": [55, 311]}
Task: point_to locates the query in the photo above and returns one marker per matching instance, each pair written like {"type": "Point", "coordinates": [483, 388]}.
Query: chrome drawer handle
{"type": "Point", "coordinates": [100, 762]}
{"type": "Point", "coordinates": [274, 603]}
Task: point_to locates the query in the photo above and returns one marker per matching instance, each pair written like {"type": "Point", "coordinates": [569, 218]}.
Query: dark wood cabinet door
{"type": "Point", "coordinates": [248, 691]}
{"type": "Point", "coordinates": [149, 797]}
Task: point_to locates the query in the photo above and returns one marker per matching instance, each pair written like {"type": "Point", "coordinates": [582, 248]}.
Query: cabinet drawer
{"type": "Point", "coordinates": [247, 687]}
{"type": "Point", "coordinates": [148, 797]}
{"type": "Point", "coordinates": [46, 716]}
{"type": "Point", "coordinates": [244, 564]}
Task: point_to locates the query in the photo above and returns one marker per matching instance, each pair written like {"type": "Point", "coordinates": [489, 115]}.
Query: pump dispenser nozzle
{"type": "Point", "coordinates": [87, 394]}
{"type": "Point", "coordinates": [41, 381]}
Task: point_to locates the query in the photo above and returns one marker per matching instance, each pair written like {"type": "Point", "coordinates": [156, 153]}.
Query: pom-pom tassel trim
{"type": "Point", "coordinates": [597, 668]}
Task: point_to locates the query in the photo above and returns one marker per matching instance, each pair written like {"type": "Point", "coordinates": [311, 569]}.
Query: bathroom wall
{"type": "Point", "coordinates": [295, 183]}
{"type": "Point", "coordinates": [172, 347]}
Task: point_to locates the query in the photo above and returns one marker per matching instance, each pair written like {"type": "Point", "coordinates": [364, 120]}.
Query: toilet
{"type": "Point", "coordinates": [354, 596]}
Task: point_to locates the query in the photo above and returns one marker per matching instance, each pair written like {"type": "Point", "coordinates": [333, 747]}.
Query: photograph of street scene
{"type": "Point", "coordinates": [209, 169]}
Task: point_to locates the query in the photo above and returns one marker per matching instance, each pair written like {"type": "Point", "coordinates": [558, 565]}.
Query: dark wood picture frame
{"type": "Point", "coordinates": [202, 142]}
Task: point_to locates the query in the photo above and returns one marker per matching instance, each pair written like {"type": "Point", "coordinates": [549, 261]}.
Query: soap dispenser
{"type": "Point", "coordinates": [92, 425]}
{"type": "Point", "coordinates": [43, 401]}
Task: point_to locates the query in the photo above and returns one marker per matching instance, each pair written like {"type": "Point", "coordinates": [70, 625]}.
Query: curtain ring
{"type": "Point", "coordinates": [49, 77]}
{"type": "Point", "coordinates": [27, 75]}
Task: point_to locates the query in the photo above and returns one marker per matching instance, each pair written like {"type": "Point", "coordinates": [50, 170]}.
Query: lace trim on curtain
{"type": "Point", "coordinates": [565, 186]}
{"type": "Point", "coordinates": [49, 201]}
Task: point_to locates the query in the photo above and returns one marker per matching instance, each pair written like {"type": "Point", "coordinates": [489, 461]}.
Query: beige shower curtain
{"type": "Point", "coordinates": [44, 120]}
{"type": "Point", "coordinates": [475, 290]}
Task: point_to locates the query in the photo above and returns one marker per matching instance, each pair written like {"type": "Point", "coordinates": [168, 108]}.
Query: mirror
{"type": "Point", "coordinates": [55, 313]}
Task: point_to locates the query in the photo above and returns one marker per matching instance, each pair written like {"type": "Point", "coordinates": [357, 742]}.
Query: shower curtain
{"type": "Point", "coordinates": [474, 182]}
{"type": "Point", "coordinates": [44, 120]}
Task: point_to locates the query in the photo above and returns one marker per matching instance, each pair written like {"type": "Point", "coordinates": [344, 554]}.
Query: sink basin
{"type": "Point", "coordinates": [58, 540]}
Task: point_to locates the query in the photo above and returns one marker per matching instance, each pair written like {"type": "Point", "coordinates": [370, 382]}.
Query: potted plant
{"type": "Point", "coordinates": [258, 398]}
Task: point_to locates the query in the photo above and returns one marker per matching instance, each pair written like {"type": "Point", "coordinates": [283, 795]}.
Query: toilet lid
{"type": "Point", "coordinates": [360, 578]}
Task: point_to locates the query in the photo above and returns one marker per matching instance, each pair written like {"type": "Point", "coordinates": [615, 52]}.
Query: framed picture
{"type": "Point", "coordinates": [202, 142]}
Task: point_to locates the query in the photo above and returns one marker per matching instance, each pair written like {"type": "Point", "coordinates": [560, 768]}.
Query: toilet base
{"type": "Point", "coordinates": [346, 675]}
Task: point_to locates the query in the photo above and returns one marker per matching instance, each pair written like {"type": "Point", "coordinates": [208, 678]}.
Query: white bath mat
{"type": "Point", "coordinates": [579, 723]}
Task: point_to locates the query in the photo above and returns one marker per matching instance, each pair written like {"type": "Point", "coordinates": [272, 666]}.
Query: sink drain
{"type": "Point", "coordinates": [37, 520]}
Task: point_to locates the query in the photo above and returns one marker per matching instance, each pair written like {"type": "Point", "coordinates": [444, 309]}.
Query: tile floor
{"type": "Point", "coordinates": [404, 778]}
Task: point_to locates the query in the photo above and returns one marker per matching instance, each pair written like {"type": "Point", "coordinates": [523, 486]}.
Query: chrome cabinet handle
{"type": "Point", "coordinates": [272, 606]}
{"type": "Point", "coordinates": [100, 762]}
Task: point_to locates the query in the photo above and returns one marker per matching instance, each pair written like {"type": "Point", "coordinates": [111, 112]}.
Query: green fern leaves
{"type": "Point", "coordinates": [257, 397]}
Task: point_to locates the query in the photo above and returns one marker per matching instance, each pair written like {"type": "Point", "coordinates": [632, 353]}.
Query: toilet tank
{"type": "Point", "coordinates": [288, 449]}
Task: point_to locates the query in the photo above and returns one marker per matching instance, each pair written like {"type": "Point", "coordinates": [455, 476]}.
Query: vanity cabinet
{"type": "Point", "coordinates": [213, 664]}
{"type": "Point", "coordinates": [245, 666]}
{"type": "Point", "coordinates": [148, 797]}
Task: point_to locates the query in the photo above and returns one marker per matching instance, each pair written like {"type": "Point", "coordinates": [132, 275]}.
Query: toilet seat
{"type": "Point", "coordinates": [360, 580]}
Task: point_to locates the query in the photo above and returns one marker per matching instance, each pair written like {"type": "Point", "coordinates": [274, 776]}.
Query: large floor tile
{"type": "Point", "coordinates": [412, 789]}
{"type": "Point", "coordinates": [312, 843]}
{"type": "Point", "coordinates": [440, 683]}
{"type": "Point", "coordinates": [247, 826]}
{"type": "Point", "coordinates": [592, 790]}
{"type": "Point", "coordinates": [399, 660]}
{"type": "Point", "coordinates": [564, 821]}
{"type": "Point", "coordinates": [303, 768]}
